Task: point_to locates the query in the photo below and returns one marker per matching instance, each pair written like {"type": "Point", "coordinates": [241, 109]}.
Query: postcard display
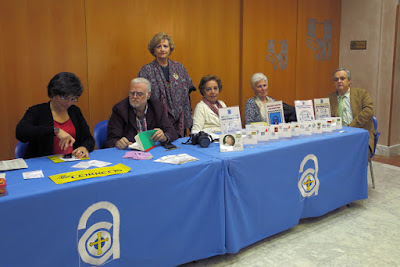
{"type": "Point", "coordinates": [231, 138]}
{"type": "Point", "coordinates": [322, 108]}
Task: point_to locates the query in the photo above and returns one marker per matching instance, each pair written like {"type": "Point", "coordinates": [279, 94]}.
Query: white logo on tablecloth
{"type": "Point", "coordinates": [98, 244]}
{"type": "Point", "coordinates": [308, 180]}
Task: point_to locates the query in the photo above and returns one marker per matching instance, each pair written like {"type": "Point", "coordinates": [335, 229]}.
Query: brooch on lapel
{"type": "Point", "coordinates": [175, 75]}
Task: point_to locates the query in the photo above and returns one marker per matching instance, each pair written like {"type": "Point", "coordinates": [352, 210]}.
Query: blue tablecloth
{"type": "Point", "coordinates": [171, 214]}
{"type": "Point", "coordinates": [167, 214]}
{"type": "Point", "coordinates": [262, 192]}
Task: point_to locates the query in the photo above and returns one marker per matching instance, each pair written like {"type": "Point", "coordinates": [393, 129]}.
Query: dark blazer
{"type": "Point", "coordinates": [362, 107]}
{"type": "Point", "coordinates": [37, 128]}
{"type": "Point", "coordinates": [122, 122]}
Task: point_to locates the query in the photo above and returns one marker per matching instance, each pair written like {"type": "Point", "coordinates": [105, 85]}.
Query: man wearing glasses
{"type": "Point", "coordinates": [354, 105]}
{"type": "Point", "coordinates": [138, 113]}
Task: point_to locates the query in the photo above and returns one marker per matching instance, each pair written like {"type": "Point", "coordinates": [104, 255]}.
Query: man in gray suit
{"type": "Point", "coordinates": [354, 105]}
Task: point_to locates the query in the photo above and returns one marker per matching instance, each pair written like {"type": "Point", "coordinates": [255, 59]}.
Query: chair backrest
{"type": "Point", "coordinates": [375, 121]}
{"type": "Point", "coordinates": [100, 134]}
{"type": "Point", "coordinates": [20, 149]}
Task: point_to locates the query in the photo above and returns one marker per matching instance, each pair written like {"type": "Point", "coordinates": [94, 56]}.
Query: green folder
{"type": "Point", "coordinates": [143, 140]}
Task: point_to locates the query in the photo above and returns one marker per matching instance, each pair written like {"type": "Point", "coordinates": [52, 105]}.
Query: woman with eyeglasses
{"type": "Point", "coordinates": [58, 126]}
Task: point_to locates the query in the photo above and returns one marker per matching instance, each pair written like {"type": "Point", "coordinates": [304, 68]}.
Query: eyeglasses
{"type": "Point", "coordinates": [71, 99]}
{"type": "Point", "coordinates": [340, 78]}
{"type": "Point", "coordinates": [139, 94]}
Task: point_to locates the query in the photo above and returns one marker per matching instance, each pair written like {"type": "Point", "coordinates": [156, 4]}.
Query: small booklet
{"type": "Point", "coordinates": [13, 164]}
{"type": "Point", "coordinates": [176, 159]}
{"type": "Point", "coordinates": [275, 112]}
{"type": "Point", "coordinates": [143, 141]}
{"type": "Point", "coordinates": [322, 108]}
{"type": "Point", "coordinates": [304, 110]}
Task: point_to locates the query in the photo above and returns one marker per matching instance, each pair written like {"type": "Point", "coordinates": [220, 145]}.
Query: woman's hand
{"type": "Point", "coordinates": [81, 152]}
{"type": "Point", "coordinates": [66, 139]}
{"type": "Point", "coordinates": [159, 136]}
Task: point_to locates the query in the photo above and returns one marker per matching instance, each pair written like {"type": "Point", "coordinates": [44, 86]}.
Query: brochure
{"type": "Point", "coordinates": [304, 110]}
{"type": "Point", "coordinates": [275, 112]}
{"type": "Point", "coordinates": [229, 119]}
{"type": "Point", "coordinates": [176, 159]}
{"type": "Point", "coordinates": [13, 164]}
{"type": "Point", "coordinates": [322, 108]}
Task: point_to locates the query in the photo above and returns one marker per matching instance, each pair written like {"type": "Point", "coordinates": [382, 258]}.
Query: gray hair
{"type": "Point", "coordinates": [142, 80]}
{"type": "Point", "coordinates": [256, 78]}
{"type": "Point", "coordinates": [340, 69]}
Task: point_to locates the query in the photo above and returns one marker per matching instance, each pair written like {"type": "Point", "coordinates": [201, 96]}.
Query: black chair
{"type": "Point", "coordinates": [374, 148]}
{"type": "Point", "coordinates": [100, 134]}
{"type": "Point", "coordinates": [20, 149]}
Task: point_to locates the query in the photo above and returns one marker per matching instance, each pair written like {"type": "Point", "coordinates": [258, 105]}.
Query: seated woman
{"type": "Point", "coordinates": [58, 126]}
{"type": "Point", "coordinates": [255, 108]}
{"type": "Point", "coordinates": [206, 116]}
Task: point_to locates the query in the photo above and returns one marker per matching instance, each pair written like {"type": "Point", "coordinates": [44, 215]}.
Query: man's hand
{"type": "Point", "coordinates": [159, 136]}
{"type": "Point", "coordinates": [123, 143]}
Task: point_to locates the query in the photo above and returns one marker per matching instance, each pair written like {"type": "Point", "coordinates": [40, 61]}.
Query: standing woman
{"type": "Point", "coordinates": [170, 82]}
{"type": "Point", "coordinates": [58, 126]}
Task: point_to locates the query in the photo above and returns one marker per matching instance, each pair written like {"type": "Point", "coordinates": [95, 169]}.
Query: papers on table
{"type": "Point", "coordinates": [13, 164]}
{"type": "Point", "coordinates": [138, 155]}
{"type": "Point", "coordinates": [91, 163]}
{"type": "Point", "coordinates": [33, 174]}
{"type": "Point", "coordinates": [176, 159]}
{"type": "Point", "coordinates": [60, 158]}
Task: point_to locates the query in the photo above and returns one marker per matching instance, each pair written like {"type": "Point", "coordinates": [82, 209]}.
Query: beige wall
{"type": "Point", "coordinates": [395, 114]}
{"type": "Point", "coordinates": [375, 22]}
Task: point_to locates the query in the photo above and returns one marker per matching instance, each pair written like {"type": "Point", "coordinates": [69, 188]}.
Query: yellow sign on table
{"type": "Point", "coordinates": [59, 159]}
{"type": "Point", "coordinates": [86, 174]}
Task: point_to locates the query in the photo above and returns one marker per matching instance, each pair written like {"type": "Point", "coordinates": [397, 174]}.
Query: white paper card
{"type": "Point", "coordinates": [285, 130]}
{"type": "Point", "coordinates": [295, 128]}
{"type": "Point", "coordinates": [33, 174]}
{"type": "Point", "coordinates": [229, 119]}
{"type": "Point", "coordinates": [231, 142]}
{"type": "Point", "coordinates": [263, 133]}
{"type": "Point", "coordinates": [304, 110]}
{"type": "Point", "coordinates": [322, 108]}
{"type": "Point", "coordinates": [273, 132]}
{"type": "Point", "coordinates": [338, 123]}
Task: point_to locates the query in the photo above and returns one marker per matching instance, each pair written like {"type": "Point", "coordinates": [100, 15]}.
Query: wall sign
{"type": "Point", "coordinates": [358, 45]}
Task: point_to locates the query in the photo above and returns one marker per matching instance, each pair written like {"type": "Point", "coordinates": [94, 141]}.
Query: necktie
{"type": "Point", "coordinates": [341, 107]}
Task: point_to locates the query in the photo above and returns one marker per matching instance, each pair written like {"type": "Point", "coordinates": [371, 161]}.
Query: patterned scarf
{"type": "Point", "coordinates": [261, 106]}
{"type": "Point", "coordinates": [212, 106]}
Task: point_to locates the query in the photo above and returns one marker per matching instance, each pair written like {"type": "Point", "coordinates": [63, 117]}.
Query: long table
{"type": "Point", "coordinates": [164, 215]}
{"type": "Point", "coordinates": [155, 215]}
{"type": "Point", "coordinates": [270, 186]}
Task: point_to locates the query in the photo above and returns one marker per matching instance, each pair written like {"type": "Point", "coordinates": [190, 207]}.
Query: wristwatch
{"type": "Point", "coordinates": [56, 130]}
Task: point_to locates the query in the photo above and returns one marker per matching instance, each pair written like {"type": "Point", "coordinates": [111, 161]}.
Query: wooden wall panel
{"type": "Point", "coordinates": [38, 39]}
{"type": "Point", "coordinates": [313, 77]}
{"type": "Point", "coordinates": [206, 36]}
{"type": "Point", "coordinates": [263, 21]}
